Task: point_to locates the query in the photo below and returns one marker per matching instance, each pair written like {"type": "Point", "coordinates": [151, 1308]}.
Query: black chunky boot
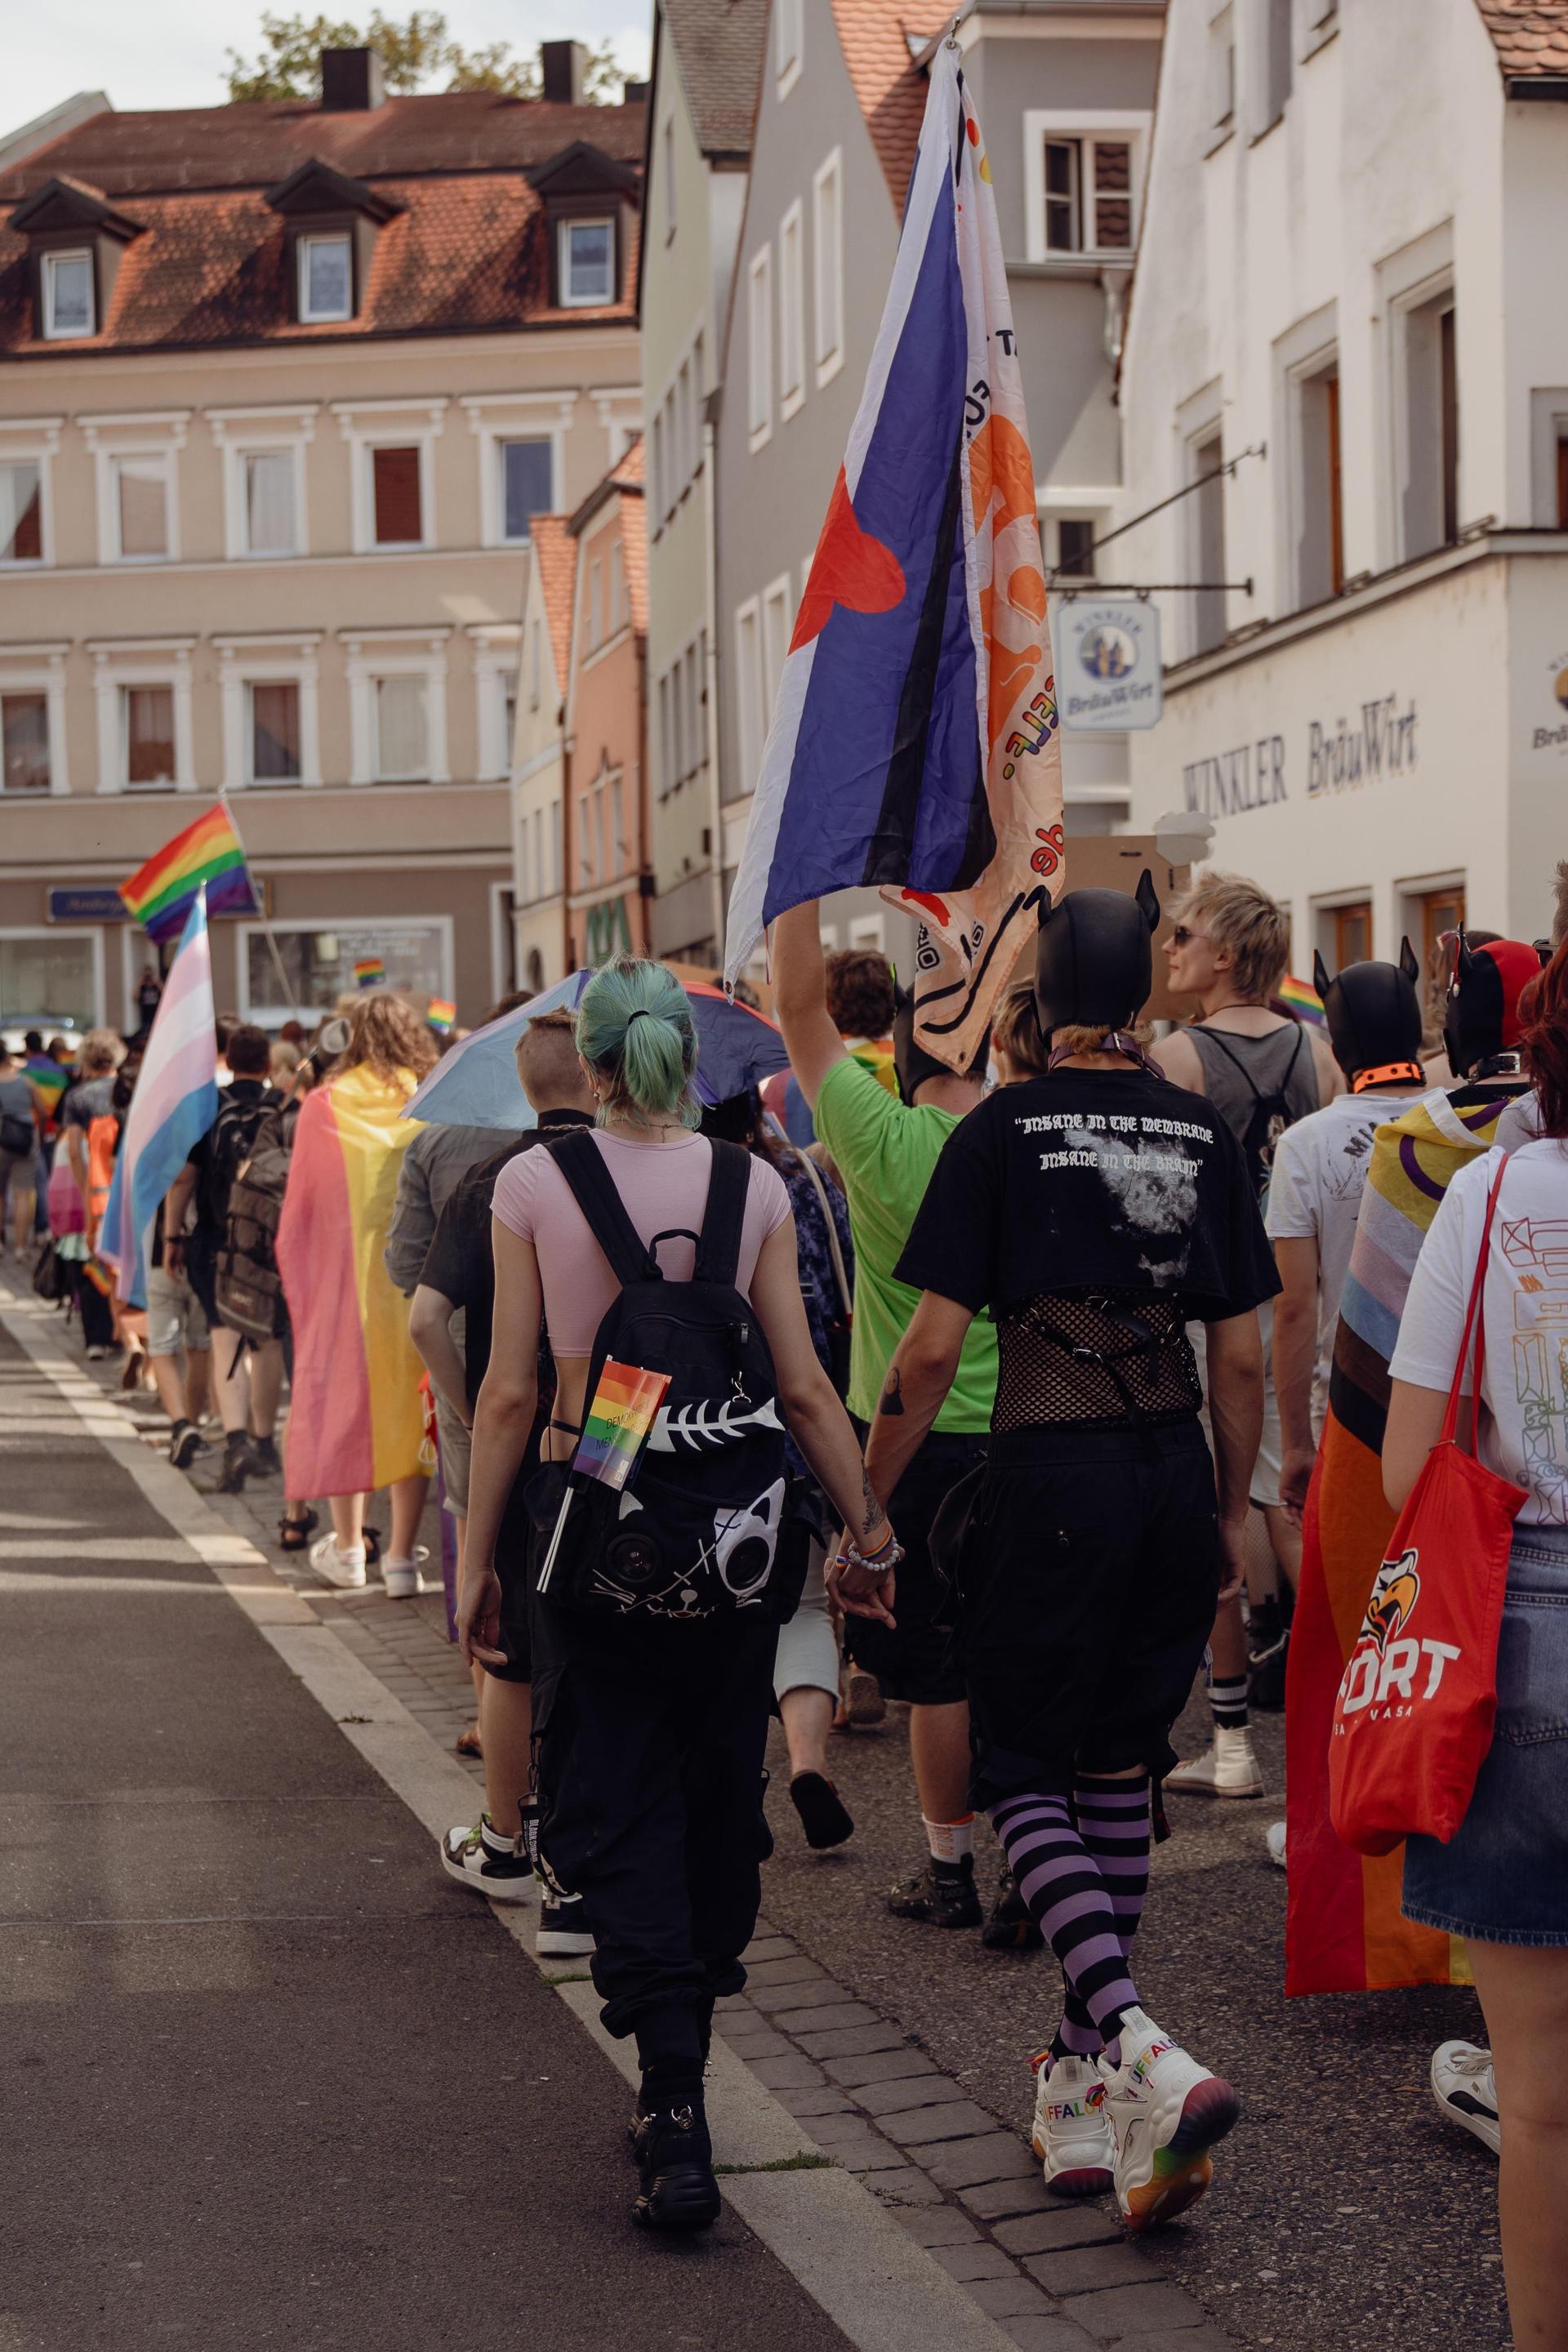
{"type": "Point", "coordinates": [677, 2189]}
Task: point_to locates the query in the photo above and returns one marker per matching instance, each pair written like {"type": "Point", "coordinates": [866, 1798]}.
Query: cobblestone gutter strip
{"type": "Point", "coordinates": [1053, 2275]}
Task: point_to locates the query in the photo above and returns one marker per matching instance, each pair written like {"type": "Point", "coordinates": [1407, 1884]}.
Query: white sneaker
{"type": "Point", "coordinates": [401, 1578]}
{"type": "Point", "coordinates": [491, 1864]}
{"type": "Point", "coordinates": [1165, 2112]}
{"type": "Point", "coordinates": [1072, 2137]}
{"type": "Point", "coordinates": [343, 1568]}
{"type": "Point", "coordinates": [1275, 1840]}
{"type": "Point", "coordinates": [1229, 1769]}
{"type": "Point", "coordinates": [1466, 2091]}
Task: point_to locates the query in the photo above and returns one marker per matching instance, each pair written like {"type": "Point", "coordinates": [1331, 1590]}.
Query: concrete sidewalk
{"type": "Point", "coordinates": [269, 2079]}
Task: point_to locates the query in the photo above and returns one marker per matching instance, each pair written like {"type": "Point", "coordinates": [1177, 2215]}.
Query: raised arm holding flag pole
{"type": "Point", "coordinates": [915, 742]}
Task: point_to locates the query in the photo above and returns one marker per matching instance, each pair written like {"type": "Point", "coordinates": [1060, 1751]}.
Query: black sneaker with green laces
{"type": "Point", "coordinates": [940, 1896]}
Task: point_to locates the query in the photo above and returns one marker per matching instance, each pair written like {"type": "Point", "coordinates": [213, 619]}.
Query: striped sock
{"type": "Point", "coordinates": [1114, 1824]}
{"type": "Point", "coordinates": [1071, 1905]}
{"type": "Point", "coordinates": [1229, 1701]}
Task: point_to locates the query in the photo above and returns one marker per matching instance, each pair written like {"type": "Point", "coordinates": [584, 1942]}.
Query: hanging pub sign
{"type": "Point", "coordinates": [1109, 675]}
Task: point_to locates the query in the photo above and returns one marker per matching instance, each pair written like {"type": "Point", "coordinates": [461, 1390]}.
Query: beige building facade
{"type": "Point", "coordinates": [270, 452]}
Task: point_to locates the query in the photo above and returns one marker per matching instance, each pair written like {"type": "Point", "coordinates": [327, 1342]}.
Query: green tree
{"type": "Point", "coordinates": [416, 53]}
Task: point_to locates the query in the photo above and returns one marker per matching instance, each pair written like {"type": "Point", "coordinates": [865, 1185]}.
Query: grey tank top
{"type": "Point", "coordinates": [1279, 1064]}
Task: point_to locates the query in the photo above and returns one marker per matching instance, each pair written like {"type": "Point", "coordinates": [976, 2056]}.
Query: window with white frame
{"type": "Point", "coordinates": [25, 766]}
{"type": "Point", "coordinates": [667, 153]}
{"type": "Point", "coordinates": [49, 978]}
{"type": "Point", "coordinates": [1426, 390]}
{"type": "Point", "coordinates": [788, 32]}
{"type": "Point", "coordinates": [272, 731]}
{"type": "Point", "coordinates": [778, 618]}
{"type": "Point", "coordinates": [264, 478]}
{"type": "Point", "coordinates": [270, 689]}
{"type": "Point", "coordinates": [1205, 538]}
{"type": "Point", "coordinates": [1277, 60]}
{"type": "Point", "coordinates": [21, 510]}
{"type": "Point", "coordinates": [587, 259]}
{"type": "Point", "coordinates": [402, 727]}
{"type": "Point", "coordinates": [326, 269]}
{"type": "Point", "coordinates": [140, 505]}
{"type": "Point", "coordinates": [147, 746]}
{"type": "Point", "coordinates": [526, 487]}
{"type": "Point", "coordinates": [750, 725]}
{"type": "Point", "coordinates": [827, 265]}
{"type": "Point", "coordinates": [392, 445]}
{"type": "Point", "coordinates": [70, 307]}
{"type": "Point", "coordinates": [792, 310]}
{"type": "Point", "coordinates": [269, 523]}
{"type": "Point", "coordinates": [1082, 175]}
{"type": "Point", "coordinates": [595, 606]}
{"type": "Point", "coordinates": [396, 494]}
{"type": "Point", "coordinates": [759, 345]}
{"type": "Point", "coordinates": [620, 609]}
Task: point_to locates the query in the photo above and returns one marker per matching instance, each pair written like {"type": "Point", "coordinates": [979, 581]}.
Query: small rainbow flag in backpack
{"type": "Point", "coordinates": [618, 1423]}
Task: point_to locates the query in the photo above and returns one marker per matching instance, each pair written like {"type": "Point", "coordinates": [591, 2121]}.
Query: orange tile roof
{"type": "Point", "coordinates": [629, 466]}
{"type": "Point", "coordinates": [466, 253]}
{"type": "Point", "coordinates": [875, 37]}
{"type": "Point", "coordinates": [555, 554]}
{"type": "Point", "coordinates": [1529, 38]}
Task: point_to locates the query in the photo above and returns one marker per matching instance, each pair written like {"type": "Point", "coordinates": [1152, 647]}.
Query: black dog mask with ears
{"type": "Point", "coordinates": [1094, 960]}
{"type": "Point", "coordinates": [1375, 1017]}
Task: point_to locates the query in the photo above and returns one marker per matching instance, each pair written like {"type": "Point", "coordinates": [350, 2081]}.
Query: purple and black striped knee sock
{"type": "Point", "coordinates": [1071, 1903]}
{"type": "Point", "coordinates": [1114, 1823]}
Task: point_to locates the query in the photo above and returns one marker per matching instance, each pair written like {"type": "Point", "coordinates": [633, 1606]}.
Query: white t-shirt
{"type": "Point", "coordinates": [1314, 1192]}
{"type": "Point", "coordinates": [1524, 1389]}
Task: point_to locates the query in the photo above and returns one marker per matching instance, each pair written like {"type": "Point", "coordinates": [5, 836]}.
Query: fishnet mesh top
{"type": "Point", "coordinates": [1138, 1334]}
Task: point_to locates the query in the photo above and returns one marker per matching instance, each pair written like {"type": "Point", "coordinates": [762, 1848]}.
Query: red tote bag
{"type": "Point", "coordinates": [1413, 1720]}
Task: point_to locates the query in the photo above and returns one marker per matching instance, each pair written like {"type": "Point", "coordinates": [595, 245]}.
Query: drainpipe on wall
{"type": "Point", "coordinates": [710, 409]}
{"type": "Point", "coordinates": [645, 868]}
{"type": "Point", "coordinates": [566, 747]}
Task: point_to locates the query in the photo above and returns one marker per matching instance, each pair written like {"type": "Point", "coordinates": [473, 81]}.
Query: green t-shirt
{"type": "Point", "coordinates": [885, 1152]}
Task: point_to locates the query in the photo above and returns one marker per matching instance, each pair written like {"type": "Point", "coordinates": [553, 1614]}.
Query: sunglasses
{"type": "Point", "coordinates": [1182, 936]}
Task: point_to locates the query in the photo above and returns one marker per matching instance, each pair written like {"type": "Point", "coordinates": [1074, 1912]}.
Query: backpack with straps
{"type": "Point", "coordinates": [229, 1146]}
{"type": "Point", "coordinates": [248, 1289]}
{"type": "Point", "coordinates": [694, 1533]}
{"type": "Point", "coordinates": [1270, 1114]}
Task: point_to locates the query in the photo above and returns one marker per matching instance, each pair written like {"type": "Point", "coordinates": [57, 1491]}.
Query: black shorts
{"type": "Point", "coordinates": [917, 1660]}
{"type": "Point", "coordinates": [1088, 1580]}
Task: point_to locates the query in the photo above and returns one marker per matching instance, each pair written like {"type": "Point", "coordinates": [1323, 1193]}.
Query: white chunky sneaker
{"type": "Point", "coordinates": [493, 1866]}
{"type": "Point", "coordinates": [401, 1578]}
{"type": "Point", "coordinates": [1228, 1768]}
{"type": "Point", "coordinates": [1274, 1838]}
{"type": "Point", "coordinates": [1072, 2137]}
{"type": "Point", "coordinates": [343, 1568]}
{"type": "Point", "coordinates": [1465, 2090]}
{"type": "Point", "coordinates": [1165, 2113]}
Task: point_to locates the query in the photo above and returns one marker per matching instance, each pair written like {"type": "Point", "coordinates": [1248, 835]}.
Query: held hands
{"type": "Point", "coordinates": [478, 1616]}
{"type": "Point", "coordinates": [862, 1581]}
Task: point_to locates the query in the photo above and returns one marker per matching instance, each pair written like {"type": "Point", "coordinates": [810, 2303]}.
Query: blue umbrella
{"type": "Point", "coordinates": [475, 1083]}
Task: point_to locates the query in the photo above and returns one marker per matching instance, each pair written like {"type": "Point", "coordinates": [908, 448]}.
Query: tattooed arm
{"type": "Point", "coordinates": [919, 1378]}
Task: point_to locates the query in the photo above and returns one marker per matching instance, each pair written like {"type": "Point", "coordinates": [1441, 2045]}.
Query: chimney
{"type": "Point", "coordinates": [635, 93]}
{"type": "Point", "coordinates": [351, 81]}
{"type": "Point", "coordinates": [560, 64]}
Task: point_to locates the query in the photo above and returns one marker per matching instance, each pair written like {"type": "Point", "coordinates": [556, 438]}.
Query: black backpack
{"type": "Point", "coordinates": [695, 1532]}
{"type": "Point", "coordinates": [17, 1134]}
{"type": "Point", "coordinates": [248, 1289]}
{"type": "Point", "coordinates": [1270, 1114]}
{"type": "Point", "coordinates": [230, 1142]}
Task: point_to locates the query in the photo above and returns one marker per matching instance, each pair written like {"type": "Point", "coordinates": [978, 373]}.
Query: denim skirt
{"type": "Point", "coordinates": [1503, 1878]}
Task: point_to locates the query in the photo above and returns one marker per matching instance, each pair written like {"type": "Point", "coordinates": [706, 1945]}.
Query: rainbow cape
{"type": "Point", "coordinates": [160, 894]}
{"type": "Point", "coordinates": [1343, 1931]}
{"type": "Point", "coordinates": [356, 1421]}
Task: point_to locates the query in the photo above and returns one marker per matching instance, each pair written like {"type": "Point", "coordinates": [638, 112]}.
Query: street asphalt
{"type": "Point", "coordinates": [269, 2079]}
{"type": "Point", "coordinates": [1346, 2215]}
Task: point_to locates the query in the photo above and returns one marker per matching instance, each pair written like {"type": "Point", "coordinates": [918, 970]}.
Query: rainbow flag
{"type": "Point", "coordinates": [440, 1012]}
{"type": "Point", "coordinates": [875, 1055]}
{"type": "Point", "coordinates": [617, 1422]}
{"type": "Point", "coordinates": [1302, 999]}
{"type": "Point", "coordinates": [369, 971]}
{"type": "Point", "coordinates": [1344, 1929]}
{"type": "Point", "coordinates": [160, 894]}
{"type": "Point", "coordinates": [357, 1422]}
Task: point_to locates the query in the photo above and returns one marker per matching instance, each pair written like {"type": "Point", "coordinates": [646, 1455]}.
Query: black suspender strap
{"type": "Point", "coordinates": [718, 1248]}
{"type": "Point", "coordinates": [582, 1163]}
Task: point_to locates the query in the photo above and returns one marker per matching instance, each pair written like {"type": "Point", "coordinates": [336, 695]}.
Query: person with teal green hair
{"type": "Point", "coordinates": [651, 1714]}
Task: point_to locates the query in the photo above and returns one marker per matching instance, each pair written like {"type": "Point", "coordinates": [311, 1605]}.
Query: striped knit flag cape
{"type": "Point", "coordinates": [915, 743]}
{"type": "Point", "coordinates": [1344, 1930]}
{"type": "Point", "coordinates": [209, 853]}
{"type": "Point", "coordinates": [176, 1102]}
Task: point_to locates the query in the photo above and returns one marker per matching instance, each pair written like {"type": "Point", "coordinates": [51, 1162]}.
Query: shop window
{"type": "Point", "coordinates": [319, 964]}
{"type": "Point", "coordinates": [48, 981]}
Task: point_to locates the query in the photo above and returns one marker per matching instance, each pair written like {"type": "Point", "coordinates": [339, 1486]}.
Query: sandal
{"type": "Point", "coordinates": [468, 1743]}
{"type": "Point", "coordinates": [294, 1535]}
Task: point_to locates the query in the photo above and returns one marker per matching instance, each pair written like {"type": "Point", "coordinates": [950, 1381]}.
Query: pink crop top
{"type": "Point", "coordinates": [661, 1185]}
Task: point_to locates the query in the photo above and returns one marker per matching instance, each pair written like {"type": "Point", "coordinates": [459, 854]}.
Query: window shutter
{"type": "Point", "coordinates": [396, 476]}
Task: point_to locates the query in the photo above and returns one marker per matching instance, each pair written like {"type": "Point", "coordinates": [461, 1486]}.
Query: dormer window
{"type": "Point", "coordinates": [68, 306]}
{"type": "Point", "coordinates": [326, 277]}
{"type": "Point", "coordinates": [587, 263]}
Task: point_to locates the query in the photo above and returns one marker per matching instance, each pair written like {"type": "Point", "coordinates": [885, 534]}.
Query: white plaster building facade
{"type": "Point", "coordinates": [1344, 296]}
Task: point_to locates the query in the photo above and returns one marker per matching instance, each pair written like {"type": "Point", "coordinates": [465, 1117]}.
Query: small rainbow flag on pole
{"type": "Point", "coordinates": [619, 1422]}
{"type": "Point", "coordinates": [1303, 1001]}
{"type": "Point", "coordinates": [160, 894]}
{"type": "Point", "coordinates": [441, 1012]}
{"type": "Point", "coordinates": [370, 971]}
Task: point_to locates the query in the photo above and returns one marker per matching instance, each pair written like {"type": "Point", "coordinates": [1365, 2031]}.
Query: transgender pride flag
{"type": "Point", "coordinates": [175, 1104]}
{"type": "Point", "coordinates": [915, 742]}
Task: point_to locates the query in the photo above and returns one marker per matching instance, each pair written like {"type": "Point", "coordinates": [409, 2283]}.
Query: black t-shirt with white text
{"type": "Point", "coordinates": [1092, 1179]}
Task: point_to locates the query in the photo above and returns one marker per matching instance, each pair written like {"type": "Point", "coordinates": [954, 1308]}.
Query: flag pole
{"type": "Point", "coordinates": [288, 995]}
